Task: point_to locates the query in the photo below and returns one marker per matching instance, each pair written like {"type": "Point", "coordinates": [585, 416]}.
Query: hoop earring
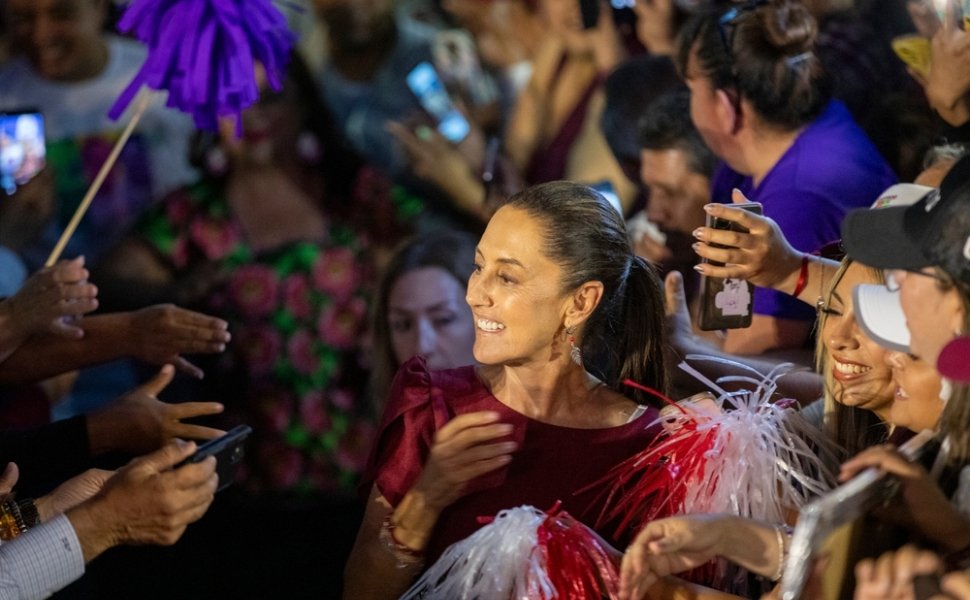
{"type": "Point", "coordinates": [574, 352]}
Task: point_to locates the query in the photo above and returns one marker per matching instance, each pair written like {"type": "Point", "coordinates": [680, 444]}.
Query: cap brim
{"type": "Point", "coordinates": [881, 317]}
{"type": "Point", "coordinates": [878, 238]}
{"type": "Point", "coordinates": [954, 360]}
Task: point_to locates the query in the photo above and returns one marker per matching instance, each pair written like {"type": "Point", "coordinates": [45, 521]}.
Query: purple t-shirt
{"type": "Point", "coordinates": [831, 169]}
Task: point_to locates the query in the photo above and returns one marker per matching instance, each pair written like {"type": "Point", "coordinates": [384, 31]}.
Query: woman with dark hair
{"type": "Point", "coordinates": [761, 100]}
{"type": "Point", "coordinates": [564, 313]}
{"type": "Point", "coordinates": [420, 307]}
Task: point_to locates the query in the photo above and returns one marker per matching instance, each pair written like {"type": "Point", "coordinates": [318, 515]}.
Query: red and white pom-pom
{"type": "Point", "coordinates": [523, 553]}
{"type": "Point", "coordinates": [739, 453]}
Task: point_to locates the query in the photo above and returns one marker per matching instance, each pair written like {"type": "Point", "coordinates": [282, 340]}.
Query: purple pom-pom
{"type": "Point", "coordinates": [203, 53]}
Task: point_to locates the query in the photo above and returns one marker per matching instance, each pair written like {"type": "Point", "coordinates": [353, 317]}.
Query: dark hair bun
{"type": "Point", "coordinates": [789, 26]}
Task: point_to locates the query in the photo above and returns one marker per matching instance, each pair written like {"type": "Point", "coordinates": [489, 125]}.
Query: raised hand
{"type": "Point", "coordinates": [893, 574]}
{"type": "Point", "coordinates": [928, 509]}
{"type": "Point", "coordinates": [762, 256]}
{"type": "Point", "coordinates": [51, 298]}
{"type": "Point", "coordinates": [465, 448]}
{"type": "Point", "coordinates": [161, 334]}
{"type": "Point", "coordinates": [139, 422]}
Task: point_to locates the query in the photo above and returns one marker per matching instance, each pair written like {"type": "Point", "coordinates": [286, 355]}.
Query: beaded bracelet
{"type": "Point", "coordinates": [783, 534]}
{"type": "Point", "coordinates": [12, 522]}
{"type": "Point", "coordinates": [403, 554]}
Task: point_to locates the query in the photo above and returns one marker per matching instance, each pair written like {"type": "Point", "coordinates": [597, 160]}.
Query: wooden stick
{"type": "Point", "coordinates": [143, 102]}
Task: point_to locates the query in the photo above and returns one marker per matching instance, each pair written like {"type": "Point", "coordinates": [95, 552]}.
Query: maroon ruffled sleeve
{"type": "Point", "coordinates": [406, 432]}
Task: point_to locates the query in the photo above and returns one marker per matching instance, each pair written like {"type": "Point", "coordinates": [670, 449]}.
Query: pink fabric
{"type": "Point", "coordinates": [552, 462]}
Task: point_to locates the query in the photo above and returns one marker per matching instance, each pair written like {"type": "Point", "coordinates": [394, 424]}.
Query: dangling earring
{"type": "Point", "coordinates": [574, 352]}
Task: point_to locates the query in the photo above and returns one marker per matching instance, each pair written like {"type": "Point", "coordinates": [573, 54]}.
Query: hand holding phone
{"type": "Point", "coordinates": [726, 303]}
{"type": "Point", "coordinates": [228, 451]}
{"type": "Point", "coordinates": [425, 84]}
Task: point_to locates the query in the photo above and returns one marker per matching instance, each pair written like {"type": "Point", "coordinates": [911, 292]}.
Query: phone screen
{"type": "Point", "coordinates": [22, 149]}
{"type": "Point", "coordinates": [431, 93]}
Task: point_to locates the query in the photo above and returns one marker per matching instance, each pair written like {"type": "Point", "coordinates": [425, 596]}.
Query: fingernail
{"type": "Point", "coordinates": [699, 268]}
{"type": "Point", "coordinates": [695, 246]}
{"type": "Point", "coordinates": [698, 233]}
{"type": "Point", "coordinates": [709, 207]}
{"type": "Point", "coordinates": [506, 428]}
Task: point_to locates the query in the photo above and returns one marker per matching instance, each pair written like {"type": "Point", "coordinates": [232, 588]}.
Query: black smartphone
{"type": "Point", "coordinates": [726, 303]}
{"type": "Point", "coordinates": [425, 84]}
{"type": "Point", "coordinates": [22, 147]}
{"type": "Point", "coordinates": [228, 451]}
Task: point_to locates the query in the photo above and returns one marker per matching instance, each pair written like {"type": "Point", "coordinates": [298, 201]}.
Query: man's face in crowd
{"type": "Point", "coordinates": [61, 38]}
{"type": "Point", "coordinates": [677, 193]}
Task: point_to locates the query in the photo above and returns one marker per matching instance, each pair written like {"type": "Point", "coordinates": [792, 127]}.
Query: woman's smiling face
{"type": "Point", "coordinates": [917, 405]}
{"type": "Point", "coordinates": [857, 365]}
{"type": "Point", "coordinates": [515, 292]}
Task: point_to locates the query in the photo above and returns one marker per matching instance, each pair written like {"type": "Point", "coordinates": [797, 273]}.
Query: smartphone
{"type": "Point", "coordinates": [726, 303]}
{"type": "Point", "coordinates": [425, 84]}
{"type": "Point", "coordinates": [228, 451]}
{"type": "Point", "coordinates": [22, 147]}
{"type": "Point", "coordinates": [456, 60]}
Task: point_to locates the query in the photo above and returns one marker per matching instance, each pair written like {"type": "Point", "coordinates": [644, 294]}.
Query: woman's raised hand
{"type": "Point", "coordinates": [762, 256]}
{"type": "Point", "coordinates": [466, 447]}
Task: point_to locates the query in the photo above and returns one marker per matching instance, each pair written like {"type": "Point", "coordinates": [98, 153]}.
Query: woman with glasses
{"type": "Point", "coordinates": [761, 100]}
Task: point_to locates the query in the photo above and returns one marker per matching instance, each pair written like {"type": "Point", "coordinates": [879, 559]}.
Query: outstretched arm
{"type": "Point", "coordinates": [157, 334]}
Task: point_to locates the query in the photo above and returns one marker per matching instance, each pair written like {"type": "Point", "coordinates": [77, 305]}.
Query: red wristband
{"type": "Point", "coordinates": [802, 277]}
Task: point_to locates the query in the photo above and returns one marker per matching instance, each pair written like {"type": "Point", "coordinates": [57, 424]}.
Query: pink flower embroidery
{"type": "Point", "coordinates": [336, 273]}
{"type": "Point", "coordinates": [339, 325]}
{"type": "Point", "coordinates": [260, 348]}
{"type": "Point", "coordinates": [215, 238]}
{"type": "Point", "coordinates": [274, 409]}
{"type": "Point", "coordinates": [313, 413]}
{"type": "Point", "coordinates": [342, 399]}
{"type": "Point", "coordinates": [296, 296]}
{"type": "Point", "coordinates": [299, 349]}
{"type": "Point", "coordinates": [253, 289]}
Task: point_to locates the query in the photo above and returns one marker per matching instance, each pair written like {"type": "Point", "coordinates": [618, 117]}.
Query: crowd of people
{"type": "Point", "coordinates": [450, 267]}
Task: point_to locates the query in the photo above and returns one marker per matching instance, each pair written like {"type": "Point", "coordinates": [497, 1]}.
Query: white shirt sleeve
{"type": "Point", "coordinates": [41, 561]}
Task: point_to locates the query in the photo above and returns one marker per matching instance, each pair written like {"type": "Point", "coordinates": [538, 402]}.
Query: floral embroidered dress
{"type": "Point", "coordinates": [297, 315]}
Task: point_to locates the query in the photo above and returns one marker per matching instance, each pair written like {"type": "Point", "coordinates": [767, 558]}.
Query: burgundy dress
{"type": "Point", "coordinates": [552, 462]}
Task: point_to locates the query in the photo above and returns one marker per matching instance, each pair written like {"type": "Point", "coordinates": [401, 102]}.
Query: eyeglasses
{"type": "Point", "coordinates": [726, 25]}
{"type": "Point", "coordinates": [893, 283]}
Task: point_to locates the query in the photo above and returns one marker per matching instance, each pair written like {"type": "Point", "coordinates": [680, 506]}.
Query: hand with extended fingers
{"type": "Point", "coordinates": [895, 574]}
{"type": "Point", "coordinates": [139, 422]}
{"type": "Point", "coordinates": [465, 448]}
{"type": "Point", "coordinates": [161, 334]}
{"type": "Point", "coordinates": [762, 256]}
{"type": "Point", "coordinates": [928, 510]}
{"type": "Point", "coordinates": [51, 299]}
